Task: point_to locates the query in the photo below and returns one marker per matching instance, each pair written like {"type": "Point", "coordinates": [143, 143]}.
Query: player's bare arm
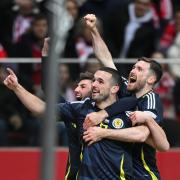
{"type": "Point", "coordinates": [31, 102]}
{"type": "Point", "coordinates": [158, 137]}
{"type": "Point", "coordinates": [100, 48]}
{"type": "Point", "coordinates": [133, 134]}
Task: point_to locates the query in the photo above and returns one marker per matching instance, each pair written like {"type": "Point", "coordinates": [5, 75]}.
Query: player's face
{"type": "Point", "coordinates": [101, 86]}
{"type": "Point", "coordinates": [83, 89]}
{"type": "Point", "coordinates": [138, 76]}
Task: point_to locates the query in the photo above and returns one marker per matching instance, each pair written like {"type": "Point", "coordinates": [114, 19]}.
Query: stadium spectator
{"type": "Point", "coordinates": [18, 126]}
{"type": "Point", "coordinates": [131, 32]}
{"type": "Point", "coordinates": [165, 88]}
{"type": "Point", "coordinates": [19, 15]}
{"type": "Point", "coordinates": [30, 45]}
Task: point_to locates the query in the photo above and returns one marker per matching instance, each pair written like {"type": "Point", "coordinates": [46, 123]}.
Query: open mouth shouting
{"type": "Point", "coordinates": [132, 78]}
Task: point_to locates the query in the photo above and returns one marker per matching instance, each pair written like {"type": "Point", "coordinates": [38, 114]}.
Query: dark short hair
{"type": "Point", "coordinates": [38, 17]}
{"type": "Point", "coordinates": [86, 75]}
{"type": "Point", "coordinates": [113, 72]}
{"type": "Point", "coordinates": [154, 66]}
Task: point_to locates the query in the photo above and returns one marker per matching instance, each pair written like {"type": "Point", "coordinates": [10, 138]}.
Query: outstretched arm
{"type": "Point", "coordinates": [32, 103]}
{"type": "Point", "coordinates": [100, 48]}
{"type": "Point", "coordinates": [157, 137]}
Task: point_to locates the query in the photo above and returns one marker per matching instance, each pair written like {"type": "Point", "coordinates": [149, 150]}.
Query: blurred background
{"type": "Point", "coordinates": [24, 24]}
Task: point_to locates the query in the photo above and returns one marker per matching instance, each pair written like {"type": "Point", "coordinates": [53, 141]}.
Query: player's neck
{"type": "Point", "coordinates": [143, 91]}
{"type": "Point", "coordinates": [105, 103]}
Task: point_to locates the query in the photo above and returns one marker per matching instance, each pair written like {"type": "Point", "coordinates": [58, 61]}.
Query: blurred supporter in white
{"type": "Point", "coordinates": [165, 88]}
{"type": "Point", "coordinates": [131, 30]}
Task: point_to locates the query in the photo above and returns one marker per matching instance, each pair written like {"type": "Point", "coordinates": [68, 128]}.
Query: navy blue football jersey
{"type": "Point", "coordinates": [108, 159]}
{"type": "Point", "coordinates": [119, 158]}
{"type": "Point", "coordinates": [144, 156]}
{"type": "Point", "coordinates": [144, 159]}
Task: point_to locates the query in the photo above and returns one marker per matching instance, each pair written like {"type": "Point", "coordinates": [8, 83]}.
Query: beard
{"type": "Point", "coordinates": [100, 97]}
{"type": "Point", "coordinates": [137, 86]}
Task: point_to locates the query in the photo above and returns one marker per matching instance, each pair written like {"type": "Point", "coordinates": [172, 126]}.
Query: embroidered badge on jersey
{"type": "Point", "coordinates": [117, 123]}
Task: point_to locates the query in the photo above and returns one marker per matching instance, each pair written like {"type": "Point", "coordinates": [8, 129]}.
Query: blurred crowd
{"type": "Point", "coordinates": [130, 28]}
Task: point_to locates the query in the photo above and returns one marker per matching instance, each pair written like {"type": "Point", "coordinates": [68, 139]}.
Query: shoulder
{"type": "Point", "coordinates": [81, 102]}
{"type": "Point", "coordinates": [151, 99]}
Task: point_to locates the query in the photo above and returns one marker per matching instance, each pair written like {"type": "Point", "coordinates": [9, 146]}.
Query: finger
{"type": "Point", "coordinates": [85, 132]}
{"type": "Point", "coordinates": [91, 142]}
{"type": "Point", "coordinates": [5, 82]}
{"type": "Point", "coordinates": [12, 78]}
{"type": "Point", "coordinates": [87, 139]}
{"type": "Point", "coordinates": [10, 71]}
{"type": "Point", "coordinates": [133, 119]}
{"type": "Point", "coordinates": [8, 81]}
{"type": "Point", "coordinates": [85, 124]}
{"type": "Point", "coordinates": [132, 113]}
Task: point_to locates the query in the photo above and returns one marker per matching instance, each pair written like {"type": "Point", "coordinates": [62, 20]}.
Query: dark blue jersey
{"type": "Point", "coordinates": [144, 159]}
{"type": "Point", "coordinates": [108, 159]}
{"type": "Point", "coordinates": [144, 156]}
{"type": "Point", "coordinates": [73, 144]}
{"type": "Point", "coordinates": [76, 112]}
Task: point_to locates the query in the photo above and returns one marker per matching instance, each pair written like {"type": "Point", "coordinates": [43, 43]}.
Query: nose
{"type": "Point", "coordinates": [133, 70]}
{"type": "Point", "coordinates": [94, 84]}
{"type": "Point", "coordinates": [76, 90]}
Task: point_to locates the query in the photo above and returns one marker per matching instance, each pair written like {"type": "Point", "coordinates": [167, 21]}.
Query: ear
{"type": "Point", "coordinates": [114, 89]}
{"type": "Point", "coordinates": [151, 80]}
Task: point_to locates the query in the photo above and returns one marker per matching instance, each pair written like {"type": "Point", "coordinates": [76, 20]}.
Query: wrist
{"type": "Point", "coordinates": [94, 31]}
{"type": "Point", "coordinates": [103, 133]}
{"type": "Point", "coordinates": [17, 87]}
{"type": "Point", "coordinates": [147, 121]}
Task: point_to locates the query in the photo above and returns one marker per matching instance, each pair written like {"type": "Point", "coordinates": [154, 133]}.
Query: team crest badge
{"type": "Point", "coordinates": [117, 123]}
